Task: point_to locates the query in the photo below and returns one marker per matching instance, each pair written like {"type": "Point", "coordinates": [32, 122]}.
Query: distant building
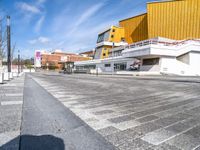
{"type": "Point", "coordinates": [88, 53]}
{"type": "Point", "coordinates": [56, 59]}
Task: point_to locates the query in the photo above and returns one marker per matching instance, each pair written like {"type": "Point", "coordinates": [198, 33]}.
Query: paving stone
{"type": "Point", "coordinates": [184, 142]}
{"type": "Point", "coordinates": [108, 130]}
{"type": "Point", "coordinates": [126, 125]}
{"type": "Point", "coordinates": [157, 137]}
{"type": "Point", "coordinates": [122, 118]}
{"type": "Point", "coordinates": [172, 119]}
{"type": "Point", "coordinates": [122, 137]}
{"type": "Point", "coordinates": [146, 128]}
{"type": "Point", "coordinates": [162, 108]}
{"type": "Point", "coordinates": [147, 118]}
{"type": "Point", "coordinates": [103, 112]}
{"type": "Point", "coordinates": [194, 132]}
{"type": "Point", "coordinates": [177, 128]}
{"type": "Point", "coordinates": [136, 144]}
{"type": "Point", "coordinates": [164, 146]}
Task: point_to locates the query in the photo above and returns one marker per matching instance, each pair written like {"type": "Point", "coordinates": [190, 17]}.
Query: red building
{"type": "Point", "coordinates": [57, 59]}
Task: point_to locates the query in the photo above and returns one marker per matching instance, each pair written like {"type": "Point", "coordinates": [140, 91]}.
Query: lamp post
{"type": "Point", "coordinates": [113, 44]}
{"type": "Point", "coordinates": [18, 63]}
{"type": "Point", "coordinates": [8, 45]}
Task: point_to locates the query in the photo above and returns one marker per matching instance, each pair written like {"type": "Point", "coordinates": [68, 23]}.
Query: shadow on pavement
{"type": "Point", "coordinates": [29, 142]}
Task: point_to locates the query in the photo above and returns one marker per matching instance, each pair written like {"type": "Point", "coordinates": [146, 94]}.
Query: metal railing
{"type": "Point", "coordinates": [160, 42]}
{"type": "Point", "coordinates": [154, 42]}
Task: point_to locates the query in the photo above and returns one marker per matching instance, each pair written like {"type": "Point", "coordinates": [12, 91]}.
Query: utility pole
{"type": "Point", "coordinates": [1, 43]}
{"type": "Point", "coordinates": [18, 63]}
{"type": "Point", "coordinates": [113, 45]}
{"type": "Point", "coordinates": [8, 44]}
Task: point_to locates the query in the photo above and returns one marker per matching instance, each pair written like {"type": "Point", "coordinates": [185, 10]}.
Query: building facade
{"type": "Point", "coordinates": [57, 59]}
{"type": "Point", "coordinates": [108, 39]}
{"type": "Point", "coordinates": [164, 40]}
{"type": "Point", "coordinates": [177, 19]}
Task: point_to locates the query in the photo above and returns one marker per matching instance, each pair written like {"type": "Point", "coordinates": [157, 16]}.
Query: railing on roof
{"type": "Point", "coordinates": [160, 42]}
{"type": "Point", "coordinates": [151, 42]}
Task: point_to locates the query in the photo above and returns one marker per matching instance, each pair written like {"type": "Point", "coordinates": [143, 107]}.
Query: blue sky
{"type": "Point", "coordinates": [70, 25]}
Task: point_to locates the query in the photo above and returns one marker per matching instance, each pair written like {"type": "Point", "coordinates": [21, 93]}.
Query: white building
{"type": "Point", "coordinates": [156, 56]}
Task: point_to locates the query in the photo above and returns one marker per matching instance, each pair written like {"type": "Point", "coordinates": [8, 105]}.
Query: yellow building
{"type": "Point", "coordinates": [109, 38]}
{"type": "Point", "coordinates": [136, 28]}
{"type": "Point", "coordinates": [178, 19]}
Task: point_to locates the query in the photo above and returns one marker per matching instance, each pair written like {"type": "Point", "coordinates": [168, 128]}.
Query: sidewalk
{"type": "Point", "coordinates": [11, 100]}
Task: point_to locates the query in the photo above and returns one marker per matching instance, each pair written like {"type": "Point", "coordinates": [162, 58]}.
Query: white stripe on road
{"type": "Point", "coordinates": [14, 94]}
{"type": "Point", "coordinates": [11, 103]}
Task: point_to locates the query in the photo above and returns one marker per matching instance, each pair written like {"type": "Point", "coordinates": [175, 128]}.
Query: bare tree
{"type": "Point", "coordinates": [2, 42]}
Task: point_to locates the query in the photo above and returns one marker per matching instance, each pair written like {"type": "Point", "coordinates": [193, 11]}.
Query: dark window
{"type": "Point", "coordinates": [107, 65]}
{"type": "Point", "coordinates": [120, 66]}
{"type": "Point", "coordinates": [113, 30]}
{"type": "Point", "coordinates": [151, 61]}
{"type": "Point", "coordinates": [123, 39]}
{"type": "Point", "coordinates": [104, 54]}
{"type": "Point", "coordinates": [100, 38]}
{"type": "Point", "coordinates": [112, 36]}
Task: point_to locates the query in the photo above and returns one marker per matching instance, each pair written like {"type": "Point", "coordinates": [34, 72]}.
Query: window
{"type": "Point", "coordinates": [107, 65]}
{"type": "Point", "coordinates": [123, 39]}
{"type": "Point", "coordinates": [112, 36]}
{"type": "Point", "coordinates": [104, 54]}
{"type": "Point", "coordinates": [113, 30]}
{"type": "Point", "coordinates": [120, 66]}
{"type": "Point", "coordinates": [100, 38]}
{"type": "Point", "coordinates": [103, 37]}
{"type": "Point", "coordinates": [151, 61]}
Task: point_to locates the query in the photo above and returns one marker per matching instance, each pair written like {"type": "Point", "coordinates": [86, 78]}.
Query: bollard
{"type": "Point", "coordinates": [15, 74]}
{"type": "Point", "coordinates": [6, 76]}
{"type": "Point", "coordinates": [1, 78]}
{"type": "Point", "coordinates": [10, 75]}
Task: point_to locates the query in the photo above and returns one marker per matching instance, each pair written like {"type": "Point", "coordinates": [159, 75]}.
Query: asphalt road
{"type": "Point", "coordinates": [132, 112]}
{"type": "Point", "coordinates": [49, 125]}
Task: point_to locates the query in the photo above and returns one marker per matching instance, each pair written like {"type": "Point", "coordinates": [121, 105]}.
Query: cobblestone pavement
{"type": "Point", "coordinates": [11, 100]}
{"type": "Point", "coordinates": [133, 113]}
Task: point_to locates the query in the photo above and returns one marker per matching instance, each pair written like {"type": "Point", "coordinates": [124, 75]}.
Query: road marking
{"type": "Point", "coordinates": [11, 103]}
{"type": "Point", "coordinates": [14, 94]}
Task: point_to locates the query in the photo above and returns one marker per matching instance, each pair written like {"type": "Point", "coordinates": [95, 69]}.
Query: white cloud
{"type": "Point", "coordinates": [39, 23]}
{"type": "Point", "coordinates": [40, 40]}
{"type": "Point", "coordinates": [90, 12]}
{"type": "Point", "coordinates": [86, 15]}
{"type": "Point", "coordinates": [28, 8]}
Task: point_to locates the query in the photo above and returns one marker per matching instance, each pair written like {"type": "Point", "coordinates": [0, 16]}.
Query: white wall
{"type": "Point", "coordinates": [170, 65]}
{"type": "Point", "coordinates": [195, 62]}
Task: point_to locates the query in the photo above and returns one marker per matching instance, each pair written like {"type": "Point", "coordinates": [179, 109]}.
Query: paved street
{"type": "Point", "coordinates": [133, 113]}
{"type": "Point", "coordinates": [100, 112]}
{"type": "Point", "coordinates": [11, 99]}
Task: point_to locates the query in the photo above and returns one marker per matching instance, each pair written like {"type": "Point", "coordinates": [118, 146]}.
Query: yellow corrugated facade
{"type": "Point", "coordinates": [116, 34]}
{"type": "Point", "coordinates": [175, 20]}
{"type": "Point", "coordinates": [135, 28]}
{"type": "Point", "coordinates": [179, 19]}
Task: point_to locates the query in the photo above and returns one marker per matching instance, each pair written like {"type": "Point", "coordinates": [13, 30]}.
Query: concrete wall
{"type": "Point", "coordinates": [195, 62]}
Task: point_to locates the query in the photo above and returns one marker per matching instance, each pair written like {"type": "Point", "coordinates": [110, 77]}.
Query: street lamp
{"type": "Point", "coordinates": [18, 63]}
{"type": "Point", "coordinates": [113, 44]}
